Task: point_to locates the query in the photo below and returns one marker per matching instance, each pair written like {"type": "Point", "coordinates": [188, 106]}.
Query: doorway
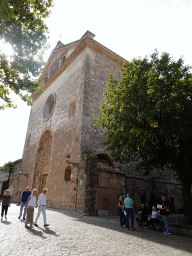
{"type": "Point", "coordinates": [106, 199]}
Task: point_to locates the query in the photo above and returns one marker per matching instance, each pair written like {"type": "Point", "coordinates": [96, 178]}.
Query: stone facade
{"type": "Point", "coordinates": [60, 123]}
{"type": "Point", "coordinates": [149, 189]}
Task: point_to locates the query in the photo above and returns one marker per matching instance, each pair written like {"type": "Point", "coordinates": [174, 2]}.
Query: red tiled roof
{"type": "Point", "coordinates": [107, 168]}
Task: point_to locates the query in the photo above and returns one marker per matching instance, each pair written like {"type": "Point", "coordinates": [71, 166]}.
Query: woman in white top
{"type": "Point", "coordinates": [30, 204]}
{"type": "Point", "coordinates": [154, 218]}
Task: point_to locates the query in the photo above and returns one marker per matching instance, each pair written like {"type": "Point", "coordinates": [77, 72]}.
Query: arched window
{"type": "Point", "coordinates": [63, 59]}
{"type": "Point", "coordinates": [54, 66]}
{"type": "Point", "coordinates": [67, 176]}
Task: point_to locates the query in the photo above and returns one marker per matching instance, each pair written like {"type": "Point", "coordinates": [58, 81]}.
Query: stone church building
{"type": "Point", "coordinates": [60, 124]}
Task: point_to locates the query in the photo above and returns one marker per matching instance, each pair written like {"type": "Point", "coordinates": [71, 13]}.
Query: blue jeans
{"type": "Point", "coordinates": [4, 208]}
{"type": "Point", "coordinates": [129, 212]}
{"type": "Point", "coordinates": [140, 220]}
{"type": "Point", "coordinates": [166, 222]}
{"type": "Point", "coordinates": [21, 210]}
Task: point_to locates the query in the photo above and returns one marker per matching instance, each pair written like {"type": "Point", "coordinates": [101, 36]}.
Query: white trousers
{"type": "Point", "coordinates": [43, 210]}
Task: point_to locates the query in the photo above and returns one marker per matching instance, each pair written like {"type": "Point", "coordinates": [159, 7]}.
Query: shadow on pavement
{"type": "Point", "coordinates": [6, 222]}
{"type": "Point", "coordinates": [35, 232]}
{"type": "Point", "coordinates": [48, 231]}
{"type": "Point", "coordinates": [112, 223]}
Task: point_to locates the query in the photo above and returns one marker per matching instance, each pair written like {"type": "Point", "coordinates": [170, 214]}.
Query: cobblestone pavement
{"type": "Point", "coordinates": [72, 234]}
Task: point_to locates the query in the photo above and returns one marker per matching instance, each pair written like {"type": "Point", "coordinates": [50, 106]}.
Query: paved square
{"type": "Point", "coordinates": [72, 234]}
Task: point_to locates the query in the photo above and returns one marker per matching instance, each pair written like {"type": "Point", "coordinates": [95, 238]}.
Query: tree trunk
{"type": "Point", "coordinates": [187, 198]}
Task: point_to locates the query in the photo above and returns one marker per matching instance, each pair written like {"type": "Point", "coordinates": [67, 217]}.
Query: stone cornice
{"type": "Point", "coordinates": [65, 46]}
{"type": "Point", "coordinates": [87, 42]}
{"type": "Point", "coordinates": [94, 45]}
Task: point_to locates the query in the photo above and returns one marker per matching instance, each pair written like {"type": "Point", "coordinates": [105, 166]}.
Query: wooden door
{"type": "Point", "coordinates": [106, 199]}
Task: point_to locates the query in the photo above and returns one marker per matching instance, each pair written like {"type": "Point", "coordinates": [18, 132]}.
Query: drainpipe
{"type": "Point", "coordinates": [77, 181]}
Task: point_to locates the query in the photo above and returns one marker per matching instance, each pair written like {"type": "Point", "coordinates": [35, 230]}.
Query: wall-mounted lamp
{"type": "Point", "coordinates": [67, 157]}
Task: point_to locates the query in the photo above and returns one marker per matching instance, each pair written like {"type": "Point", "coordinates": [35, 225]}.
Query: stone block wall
{"type": "Point", "coordinates": [97, 69]}
{"type": "Point", "coordinates": [150, 188]}
{"type": "Point", "coordinates": [92, 181]}
{"type": "Point", "coordinates": [65, 133]}
{"type": "Point", "coordinates": [81, 187]}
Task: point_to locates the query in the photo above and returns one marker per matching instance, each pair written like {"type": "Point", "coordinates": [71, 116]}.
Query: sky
{"type": "Point", "coordinates": [130, 28]}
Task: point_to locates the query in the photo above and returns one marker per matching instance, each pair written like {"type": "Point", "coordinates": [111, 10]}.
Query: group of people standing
{"type": "Point", "coordinates": [126, 209]}
{"type": "Point", "coordinates": [28, 201]}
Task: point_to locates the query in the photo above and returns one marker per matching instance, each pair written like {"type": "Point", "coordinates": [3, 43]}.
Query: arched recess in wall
{"type": "Point", "coordinates": [63, 57]}
{"type": "Point", "coordinates": [54, 67]}
{"type": "Point", "coordinates": [67, 174]}
{"type": "Point", "coordinates": [42, 160]}
{"type": "Point", "coordinates": [105, 159]}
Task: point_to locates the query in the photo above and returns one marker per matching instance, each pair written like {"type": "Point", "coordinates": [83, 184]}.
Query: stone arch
{"type": "Point", "coordinates": [42, 160]}
{"type": "Point", "coordinates": [105, 159]}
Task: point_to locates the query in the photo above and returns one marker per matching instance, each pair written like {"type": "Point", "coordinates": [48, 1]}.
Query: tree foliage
{"type": "Point", "coordinates": [147, 116]}
{"type": "Point", "coordinates": [7, 167]}
{"type": "Point", "coordinates": [22, 26]}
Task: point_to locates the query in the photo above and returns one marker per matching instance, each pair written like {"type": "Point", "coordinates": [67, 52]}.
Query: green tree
{"type": "Point", "coordinates": [147, 117]}
{"type": "Point", "coordinates": [22, 26]}
{"type": "Point", "coordinates": [8, 167]}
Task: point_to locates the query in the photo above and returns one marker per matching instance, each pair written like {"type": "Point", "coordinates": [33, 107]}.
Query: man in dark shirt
{"type": "Point", "coordinates": [165, 212]}
{"type": "Point", "coordinates": [143, 212]}
{"type": "Point", "coordinates": [26, 193]}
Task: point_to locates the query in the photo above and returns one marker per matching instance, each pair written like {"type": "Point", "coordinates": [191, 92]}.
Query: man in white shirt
{"type": "Point", "coordinates": [42, 207]}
